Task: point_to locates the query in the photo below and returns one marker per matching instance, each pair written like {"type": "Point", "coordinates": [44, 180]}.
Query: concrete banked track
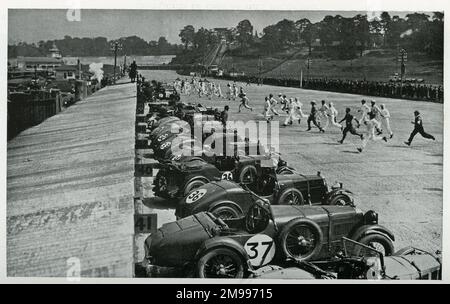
{"type": "Point", "coordinates": [70, 188]}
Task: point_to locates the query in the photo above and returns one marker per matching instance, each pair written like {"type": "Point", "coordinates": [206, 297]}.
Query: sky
{"type": "Point", "coordinates": [32, 25]}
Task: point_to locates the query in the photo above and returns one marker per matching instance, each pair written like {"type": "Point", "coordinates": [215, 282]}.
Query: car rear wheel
{"type": "Point", "coordinates": [291, 196]}
{"type": "Point", "coordinates": [161, 186]}
{"type": "Point", "coordinates": [226, 212]}
{"type": "Point", "coordinates": [376, 241]}
{"type": "Point", "coordinates": [340, 200]}
{"type": "Point", "coordinates": [220, 263]}
{"type": "Point", "coordinates": [301, 239]}
{"type": "Point", "coordinates": [248, 174]}
{"type": "Point", "coordinates": [193, 185]}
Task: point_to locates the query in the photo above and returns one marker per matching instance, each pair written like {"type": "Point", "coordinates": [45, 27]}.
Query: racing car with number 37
{"type": "Point", "coordinates": [209, 247]}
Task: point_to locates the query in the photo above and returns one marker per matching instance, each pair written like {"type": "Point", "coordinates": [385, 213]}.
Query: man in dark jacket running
{"type": "Point", "coordinates": [418, 128]}
{"type": "Point", "coordinates": [312, 117]}
{"type": "Point", "coordinates": [349, 118]}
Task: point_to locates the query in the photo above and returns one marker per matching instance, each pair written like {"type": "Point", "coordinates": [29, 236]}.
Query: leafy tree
{"type": "Point", "coordinates": [385, 23]}
{"type": "Point", "coordinates": [270, 39]}
{"type": "Point", "coordinates": [287, 32]}
{"type": "Point", "coordinates": [244, 33]}
{"type": "Point", "coordinates": [306, 31]}
{"type": "Point", "coordinates": [361, 33]}
{"type": "Point", "coordinates": [187, 35]}
{"type": "Point", "coordinates": [328, 29]}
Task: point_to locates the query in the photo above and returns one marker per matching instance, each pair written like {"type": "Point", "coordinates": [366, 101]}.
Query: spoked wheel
{"type": "Point", "coordinates": [291, 197]}
{"type": "Point", "coordinates": [378, 242]}
{"type": "Point", "coordinates": [341, 200]}
{"type": "Point", "coordinates": [256, 219]}
{"type": "Point", "coordinates": [226, 212]}
{"type": "Point", "coordinates": [161, 187]}
{"type": "Point", "coordinates": [220, 263]}
{"type": "Point", "coordinates": [301, 239]}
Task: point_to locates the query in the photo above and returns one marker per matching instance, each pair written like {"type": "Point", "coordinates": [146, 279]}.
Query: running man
{"type": "Point", "coordinates": [267, 109]}
{"type": "Point", "coordinates": [285, 103]}
{"type": "Point", "coordinates": [224, 116]}
{"type": "Point", "coordinates": [312, 118]}
{"type": "Point", "coordinates": [290, 106]}
{"type": "Point", "coordinates": [229, 91]}
{"type": "Point", "coordinates": [244, 103]}
{"type": "Point", "coordinates": [349, 118]}
{"type": "Point", "coordinates": [373, 114]}
{"type": "Point", "coordinates": [234, 92]}
{"type": "Point", "coordinates": [363, 110]}
{"type": "Point", "coordinates": [332, 116]}
{"type": "Point", "coordinates": [273, 103]}
{"type": "Point", "coordinates": [385, 115]}
{"type": "Point", "coordinates": [371, 126]}
{"type": "Point", "coordinates": [298, 110]}
{"type": "Point", "coordinates": [418, 128]}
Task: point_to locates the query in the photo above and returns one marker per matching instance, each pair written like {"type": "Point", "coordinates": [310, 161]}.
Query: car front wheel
{"type": "Point", "coordinates": [291, 196]}
{"type": "Point", "coordinates": [376, 241]}
{"type": "Point", "coordinates": [220, 263]}
{"type": "Point", "coordinates": [340, 200]}
{"type": "Point", "coordinates": [301, 239]}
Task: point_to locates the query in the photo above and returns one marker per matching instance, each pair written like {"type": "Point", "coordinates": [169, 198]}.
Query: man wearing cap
{"type": "Point", "coordinates": [244, 103]}
{"type": "Point", "coordinates": [312, 117]}
{"type": "Point", "coordinates": [418, 128]}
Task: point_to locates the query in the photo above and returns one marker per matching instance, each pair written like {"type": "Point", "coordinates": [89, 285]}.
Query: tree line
{"type": "Point", "coordinates": [335, 36]}
{"type": "Point", "coordinates": [99, 46]}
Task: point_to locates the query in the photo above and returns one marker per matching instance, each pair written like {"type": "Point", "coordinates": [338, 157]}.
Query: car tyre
{"type": "Point", "coordinates": [375, 241]}
{"type": "Point", "coordinates": [160, 188]}
{"type": "Point", "coordinates": [220, 263]}
{"type": "Point", "coordinates": [340, 200]}
{"type": "Point", "coordinates": [301, 239]}
{"type": "Point", "coordinates": [248, 174]}
{"type": "Point", "coordinates": [226, 212]}
{"type": "Point", "coordinates": [291, 196]}
{"type": "Point", "coordinates": [193, 185]}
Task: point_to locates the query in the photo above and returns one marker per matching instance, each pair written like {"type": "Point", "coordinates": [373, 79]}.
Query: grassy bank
{"type": "Point", "coordinates": [373, 66]}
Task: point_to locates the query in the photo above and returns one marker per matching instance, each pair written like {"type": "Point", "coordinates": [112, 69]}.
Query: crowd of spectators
{"type": "Point", "coordinates": [407, 90]}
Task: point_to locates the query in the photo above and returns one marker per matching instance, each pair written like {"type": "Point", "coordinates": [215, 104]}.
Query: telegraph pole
{"type": "Point", "coordinates": [308, 64]}
{"type": "Point", "coordinates": [402, 58]}
{"type": "Point", "coordinates": [115, 47]}
{"type": "Point", "coordinates": [259, 70]}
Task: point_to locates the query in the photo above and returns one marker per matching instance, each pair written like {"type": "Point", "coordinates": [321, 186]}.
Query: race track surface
{"type": "Point", "coordinates": [403, 184]}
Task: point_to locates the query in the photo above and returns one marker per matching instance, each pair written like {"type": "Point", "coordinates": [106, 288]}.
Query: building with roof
{"type": "Point", "coordinates": [54, 52]}
{"type": "Point", "coordinates": [40, 63]}
{"type": "Point", "coordinates": [66, 72]}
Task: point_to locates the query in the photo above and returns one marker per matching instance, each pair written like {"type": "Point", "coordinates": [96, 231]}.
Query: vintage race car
{"type": "Point", "coordinates": [209, 247]}
{"type": "Point", "coordinates": [165, 91]}
{"type": "Point", "coordinates": [363, 263]}
{"type": "Point", "coordinates": [226, 199]}
{"type": "Point", "coordinates": [177, 178]}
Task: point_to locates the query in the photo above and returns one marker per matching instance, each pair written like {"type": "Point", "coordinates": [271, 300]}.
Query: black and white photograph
{"type": "Point", "coordinates": [248, 142]}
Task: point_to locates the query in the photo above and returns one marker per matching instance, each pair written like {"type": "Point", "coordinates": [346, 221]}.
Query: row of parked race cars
{"type": "Point", "coordinates": [241, 218]}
